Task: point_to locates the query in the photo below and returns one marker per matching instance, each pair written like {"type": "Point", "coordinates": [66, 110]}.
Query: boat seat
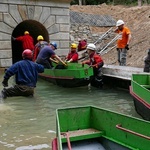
{"type": "Point", "coordinates": [81, 134]}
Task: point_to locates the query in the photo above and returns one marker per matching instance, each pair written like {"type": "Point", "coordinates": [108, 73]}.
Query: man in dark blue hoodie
{"type": "Point", "coordinates": [26, 74]}
{"type": "Point", "coordinates": [147, 62]}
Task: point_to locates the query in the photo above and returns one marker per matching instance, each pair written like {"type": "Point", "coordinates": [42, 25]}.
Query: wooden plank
{"type": "Point", "coordinates": [81, 134]}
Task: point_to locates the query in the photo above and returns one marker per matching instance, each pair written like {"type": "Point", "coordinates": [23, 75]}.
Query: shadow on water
{"type": "Point", "coordinates": [29, 123]}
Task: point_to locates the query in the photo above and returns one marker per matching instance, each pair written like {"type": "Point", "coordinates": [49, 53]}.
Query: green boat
{"type": "Point", "coordinates": [140, 91]}
{"type": "Point", "coordinates": [74, 75]}
{"type": "Point", "coordinates": [92, 128]}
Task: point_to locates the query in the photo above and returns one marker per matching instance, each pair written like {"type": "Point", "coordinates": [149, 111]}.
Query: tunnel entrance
{"type": "Point", "coordinates": [35, 28]}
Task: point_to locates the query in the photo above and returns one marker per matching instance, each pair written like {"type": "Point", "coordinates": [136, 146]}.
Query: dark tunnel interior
{"type": "Point", "coordinates": [35, 28]}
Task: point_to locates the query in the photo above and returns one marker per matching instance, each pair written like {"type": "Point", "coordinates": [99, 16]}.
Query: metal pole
{"type": "Point", "coordinates": [101, 37]}
{"type": "Point", "coordinates": [113, 40]}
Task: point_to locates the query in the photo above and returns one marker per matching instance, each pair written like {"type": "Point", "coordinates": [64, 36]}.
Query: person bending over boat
{"type": "Point", "coordinates": [26, 74]}
{"type": "Point", "coordinates": [96, 62]}
{"type": "Point", "coordinates": [72, 55]}
{"type": "Point", "coordinates": [41, 43]}
{"type": "Point", "coordinates": [46, 53]}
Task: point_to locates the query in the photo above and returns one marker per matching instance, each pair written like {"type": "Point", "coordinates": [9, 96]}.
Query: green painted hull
{"type": "Point", "coordinates": [74, 75]}
{"type": "Point", "coordinates": [83, 123]}
{"type": "Point", "coordinates": [140, 90]}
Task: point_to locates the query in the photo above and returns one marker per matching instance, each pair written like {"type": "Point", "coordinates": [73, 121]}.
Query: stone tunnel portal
{"type": "Point", "coordinates": [35, 28]}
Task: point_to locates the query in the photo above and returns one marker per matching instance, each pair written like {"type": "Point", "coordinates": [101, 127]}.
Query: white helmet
{"type": "Point", "coordinates": [119, 23]}
{"type": "Point", "coordinates": [91, 47]}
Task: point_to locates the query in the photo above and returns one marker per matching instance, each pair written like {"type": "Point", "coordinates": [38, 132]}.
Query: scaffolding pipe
{"type": "Point", "coordinates": [113, 40]}
{"type": "Point", "coordinates": [103, 36]}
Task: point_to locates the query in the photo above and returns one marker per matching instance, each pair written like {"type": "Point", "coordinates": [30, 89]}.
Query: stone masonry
{"type": "Point", "coordinates": [52, 14]}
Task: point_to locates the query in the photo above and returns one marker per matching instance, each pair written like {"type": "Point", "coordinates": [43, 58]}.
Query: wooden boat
{"type": "Point", "coordinates": [92, 128]}
{"type": "Point", "coordinates": [140, 91]}
{"type": "Point", "coordinates": [74, 75]}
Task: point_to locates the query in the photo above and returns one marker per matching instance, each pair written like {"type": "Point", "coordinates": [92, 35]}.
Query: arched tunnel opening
{"type": "Point", "coordinates": [35, 28]}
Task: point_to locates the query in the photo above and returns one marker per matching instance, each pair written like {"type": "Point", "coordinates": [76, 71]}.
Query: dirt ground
{"type": "Point", "coordinates": [137, 19]}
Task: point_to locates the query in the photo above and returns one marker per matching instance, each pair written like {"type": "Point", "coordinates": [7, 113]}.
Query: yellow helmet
{"type": "Point", "coordinates": [74, 45]}
{"type": "Point", "coordinates": [26, 32]}
{"type": "Point", "coordinates": [40, 37]}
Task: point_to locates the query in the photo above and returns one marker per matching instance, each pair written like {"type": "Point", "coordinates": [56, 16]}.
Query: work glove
{"type": "Point", "coordinates": [127, 47]}
{"type": "Point", "coordinates": [5, 82]}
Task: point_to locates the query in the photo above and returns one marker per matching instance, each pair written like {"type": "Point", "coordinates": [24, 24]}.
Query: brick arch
{"type": "Point", "coordinates": [35, 28]}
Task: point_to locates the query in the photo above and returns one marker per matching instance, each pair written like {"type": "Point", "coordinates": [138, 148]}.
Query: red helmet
{"type": "Point", "coordinates": [27, 54]}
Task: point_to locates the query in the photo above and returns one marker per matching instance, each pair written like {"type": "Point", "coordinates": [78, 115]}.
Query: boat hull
{"type": "Point", "coordinates": [74, 75]}
{"type": "Point", "coordinates": [66, 82]}
{"type": "Point", "coordinates": [104, 129]}
{"type": "Point", "coordinates": [140, 91]}
{"type": "Point", "coordinates": [141, 107]}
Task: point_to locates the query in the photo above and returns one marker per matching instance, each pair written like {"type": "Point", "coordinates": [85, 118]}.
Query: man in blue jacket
{"type": "Point", "coordinates": [26, 74]}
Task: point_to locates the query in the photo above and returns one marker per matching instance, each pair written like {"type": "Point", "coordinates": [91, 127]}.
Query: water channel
{"type": "Point", "coordinates": [29, 123]}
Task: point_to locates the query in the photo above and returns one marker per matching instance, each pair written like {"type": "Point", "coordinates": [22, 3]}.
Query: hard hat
{"type": "Point", "coordinates": [91, 47]}
{"type": "Point", "coordinates": [119, 23]}
{"type": "Point", "coordinates": [27, 54]}
{"type": "Point", "coordinates": [40, 37]}
{"type": "Point", "coordinates": [54, 44]}
{"type": "Point", "coordinates": [74, 45]}
{"type": "Point", "coordinates": [26, 32]}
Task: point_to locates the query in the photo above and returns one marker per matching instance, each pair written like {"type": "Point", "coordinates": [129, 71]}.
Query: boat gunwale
{"type": "Point", "coordinates": [59, 140]}
{"type": "Point", "coordinates": [139, 98]}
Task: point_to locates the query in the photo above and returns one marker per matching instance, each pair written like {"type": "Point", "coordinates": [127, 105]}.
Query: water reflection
{"type": "Point", "coordinates": [29, 123]}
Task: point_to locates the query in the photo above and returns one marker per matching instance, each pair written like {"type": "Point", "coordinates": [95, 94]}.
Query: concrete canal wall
{"type": "Point", "coordinates": [119, 76]}
{"type": "Point", "coordinates": [121, 72]}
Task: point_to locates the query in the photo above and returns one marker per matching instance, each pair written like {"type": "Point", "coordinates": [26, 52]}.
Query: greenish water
{"type": "Point", "coordinates": [29, 123]}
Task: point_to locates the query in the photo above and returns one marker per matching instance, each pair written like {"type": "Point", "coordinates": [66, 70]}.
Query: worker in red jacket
{"type": "Point", "coordinates": [82, 45]}
{"type": "Point", "coordinates": [72, 55]}
{"type": "Point", "coordinates": [95, 60]}
{"type": "Point", "coordinates": [27, 41]}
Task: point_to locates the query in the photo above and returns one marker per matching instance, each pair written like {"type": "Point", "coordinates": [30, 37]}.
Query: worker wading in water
{"type": "Point", "coordinates": [96, 62]}
{"type": "Point", "coordinates": [26, 74]}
